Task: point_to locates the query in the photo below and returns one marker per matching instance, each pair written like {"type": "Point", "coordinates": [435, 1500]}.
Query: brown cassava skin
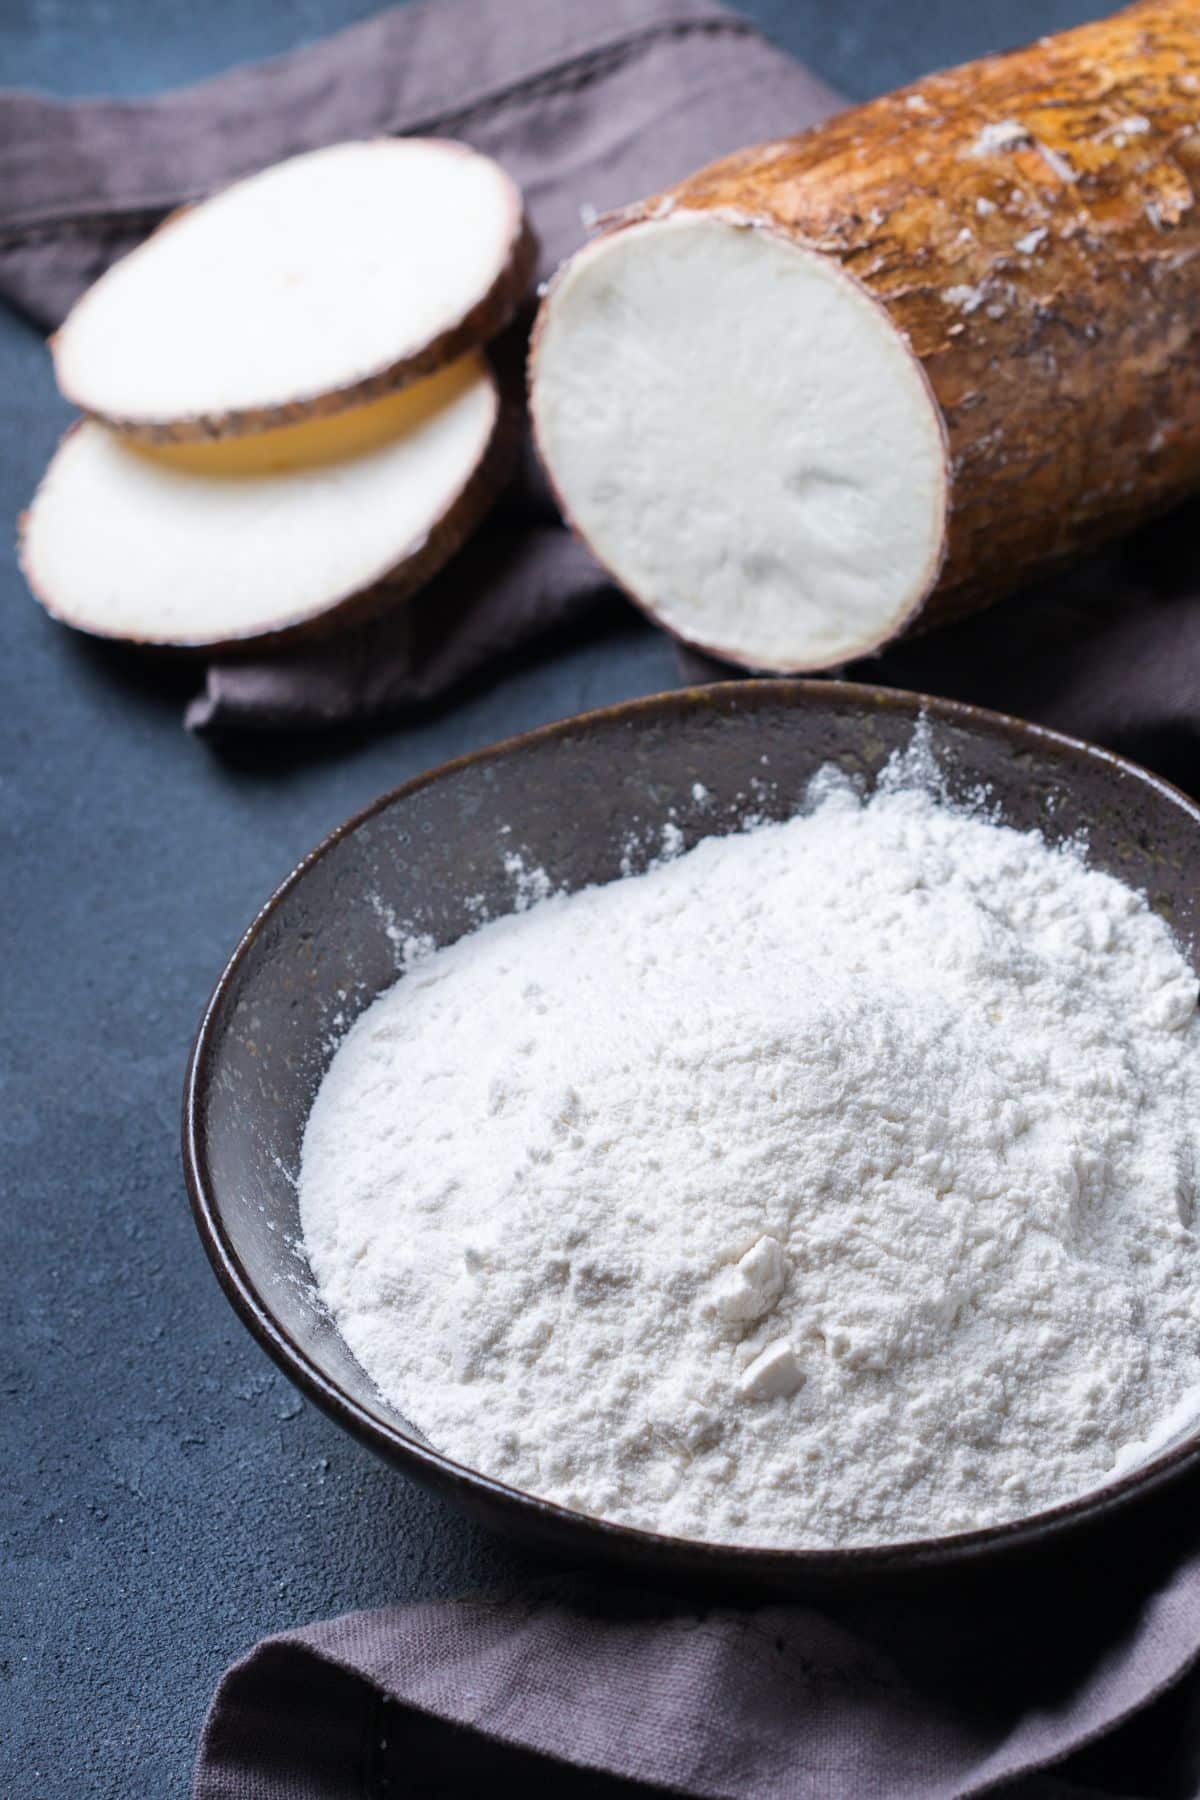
{"type": "Point", "coordinates": [484, 321]}
{"type": "Point", "coordinates": [1046, 276]}
{"type": "Point", "coordinates": [412, 571]}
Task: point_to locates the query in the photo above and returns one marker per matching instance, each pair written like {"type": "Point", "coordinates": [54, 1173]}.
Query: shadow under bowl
{"type": "Point", "coordinates": [582, 799]}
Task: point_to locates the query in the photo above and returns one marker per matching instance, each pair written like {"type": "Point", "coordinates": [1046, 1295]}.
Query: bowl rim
{"type": "Point", "coordinates": [753, 1562]}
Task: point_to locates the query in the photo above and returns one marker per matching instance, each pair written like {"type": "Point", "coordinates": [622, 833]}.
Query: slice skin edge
{"type": "Point", "coordinates": [484, 320]}
{"type": "Point", "coordinates": [387, 588]}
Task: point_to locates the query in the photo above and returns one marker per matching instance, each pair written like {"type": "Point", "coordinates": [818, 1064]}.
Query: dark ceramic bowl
{"type": "Point", "coordinates": [575, 796]}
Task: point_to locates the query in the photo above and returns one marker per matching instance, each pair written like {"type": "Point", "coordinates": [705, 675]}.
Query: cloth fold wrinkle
{"type": "Point", "coordinates": [960, 1690]}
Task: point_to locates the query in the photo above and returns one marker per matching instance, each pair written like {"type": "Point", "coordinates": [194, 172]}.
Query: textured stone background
{"type": "Point", "coordinates": [165, 1497]}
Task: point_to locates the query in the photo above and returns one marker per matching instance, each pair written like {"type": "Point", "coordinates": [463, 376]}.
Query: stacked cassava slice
{"type": "Point", "coordinates": [290, 421]}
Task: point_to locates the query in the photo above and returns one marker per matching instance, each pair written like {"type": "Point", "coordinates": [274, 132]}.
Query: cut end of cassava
{"type": "Point", "coordinates": [325, 281]}
{"type": "Point", "coordinates": [259, 541]}
{"type": "Point", "coordinates": [744, 438]}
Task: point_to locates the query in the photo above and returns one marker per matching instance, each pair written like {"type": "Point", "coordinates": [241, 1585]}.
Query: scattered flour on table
{"type": "Point", "coordinates": [832, 1183]}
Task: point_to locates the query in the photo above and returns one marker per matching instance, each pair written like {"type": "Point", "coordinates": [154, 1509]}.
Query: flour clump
{"type": "Point", "coordinates": [830, 1184]}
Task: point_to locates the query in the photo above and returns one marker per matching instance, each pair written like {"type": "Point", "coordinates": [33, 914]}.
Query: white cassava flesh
{"type": "Point", "coordinates": [743, 437]}
{"type": "Point", "coordinates": [318, 283]}
{"type": "Point", "coordinates": [296, 529]}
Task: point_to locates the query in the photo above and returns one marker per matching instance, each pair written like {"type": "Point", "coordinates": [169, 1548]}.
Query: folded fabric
{"type": "Point", "coordinates": [585, 1686]}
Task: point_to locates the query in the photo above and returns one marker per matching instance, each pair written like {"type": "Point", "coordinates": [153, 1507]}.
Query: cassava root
{"type": "Point", "coordinates": [870, 378]}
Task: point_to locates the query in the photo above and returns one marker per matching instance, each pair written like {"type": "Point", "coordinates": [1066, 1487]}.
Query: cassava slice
{"type": "Point", "coordinates": [320, 283]}
{"type": "Point", "coordinates": [305, 528]}
{"type": "Point", "coordinates": [871, 377]}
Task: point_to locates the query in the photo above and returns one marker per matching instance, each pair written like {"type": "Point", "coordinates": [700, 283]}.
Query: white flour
{"type": "Point", "coordinates": [831, 1184]}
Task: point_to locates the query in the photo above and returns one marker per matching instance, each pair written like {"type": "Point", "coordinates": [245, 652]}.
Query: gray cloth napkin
{"type": "Point", "coordinates": [584, 1686]}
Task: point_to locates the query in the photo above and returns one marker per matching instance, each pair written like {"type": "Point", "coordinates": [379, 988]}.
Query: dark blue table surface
{"type": "Point", "coordinates": [165, 1496]}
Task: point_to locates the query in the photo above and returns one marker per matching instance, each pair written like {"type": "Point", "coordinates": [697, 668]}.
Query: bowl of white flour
{"type": "Point", "coordinates": [751, 1130]}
